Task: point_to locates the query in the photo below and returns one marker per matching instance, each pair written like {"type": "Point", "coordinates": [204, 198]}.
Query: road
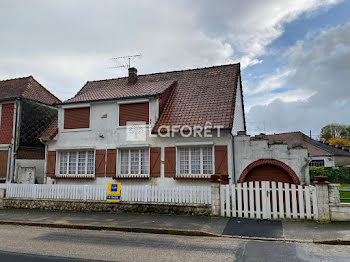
{"type": "Point", "coordinates": [22, 243]}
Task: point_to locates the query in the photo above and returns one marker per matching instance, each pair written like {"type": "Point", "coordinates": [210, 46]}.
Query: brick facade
{"type": "Point", "coordinates": [6, 128]}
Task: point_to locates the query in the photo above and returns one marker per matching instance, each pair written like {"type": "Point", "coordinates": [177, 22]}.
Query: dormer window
{"type": "Point", "coordinates": [134, 112]}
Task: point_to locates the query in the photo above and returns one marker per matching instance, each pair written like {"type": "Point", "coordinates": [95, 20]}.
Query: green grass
{"type": "Point", "coordinates": [345, 194]}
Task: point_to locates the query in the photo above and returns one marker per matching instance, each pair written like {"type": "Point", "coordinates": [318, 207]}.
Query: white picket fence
{"type": "Point", "coordinates": [174, 194]}
{"type": "Point", "coordinates": [134, 193]}
{"type": "Point", "coordinates": [266, 200]}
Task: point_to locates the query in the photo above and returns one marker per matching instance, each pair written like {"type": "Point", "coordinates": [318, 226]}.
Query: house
{"type": "Point", "coordinates": [321, 154]}
{"type": "Point", "coordinates": [167, 128]}
{"type": "Point", "coordinates": [26, 110]}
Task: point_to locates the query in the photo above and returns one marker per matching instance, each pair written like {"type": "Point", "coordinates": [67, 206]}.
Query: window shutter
{"type": "Point", "coordinates": [155, 162]}
{"type": "Point", "coordinates": [111, 167]}
{"type": "Point", "coordinates": [51, 164]}
{"type": "Point", "coordinates": [221, 160]}
{"type": "Point", "coordinates": [133, 112]}
{"type": "Point", "coordinates": [170, 162]}
{"type": "Point", "coordinates": [3, 163]}
{"type": "Point", "coordinates": [100, 163]}
{"type": "Point", "coordinates": [77, 118]}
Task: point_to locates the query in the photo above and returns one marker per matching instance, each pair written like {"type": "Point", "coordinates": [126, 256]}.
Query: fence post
{"type": "Point", "coordinates": [215, 198]}
{"type": "Point", "coordinates": [2, 196]}
{"type": "Point", "coordinates": [334, 194]}
{"type": "Point", "coordinates": [322, 201]}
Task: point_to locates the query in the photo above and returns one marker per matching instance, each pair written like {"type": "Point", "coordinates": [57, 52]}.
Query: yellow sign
{"type": "Point", "coordinates": [113, 193]}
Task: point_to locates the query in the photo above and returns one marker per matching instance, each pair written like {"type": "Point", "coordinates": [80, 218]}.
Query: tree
{"type": "Point", "coordinates": [347, 132]}
{"type": "Point", "coordinates": [338, 141]}
{"type": "Point", "coordinates": [333, 130]}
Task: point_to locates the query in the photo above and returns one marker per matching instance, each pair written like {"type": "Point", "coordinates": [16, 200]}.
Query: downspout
{"type": "Point", "coordinates": [45, 163]}
{"type": "Point", "coordinates": [15, 138]}
{"type": "Point", "coordinates": [233, 159]}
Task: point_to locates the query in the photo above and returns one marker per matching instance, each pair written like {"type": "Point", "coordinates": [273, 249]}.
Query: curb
{"type": "Point", "coordinates": [166, 231]}
{"type": "Point", "coordinates": [151, 230]}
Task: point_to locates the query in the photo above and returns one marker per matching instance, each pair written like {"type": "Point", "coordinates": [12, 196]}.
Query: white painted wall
{"type": "Point", "coordinates": [37, 164]}
{"type": "Point", "coordinates": [114, 136]}
{"type": "Point", "coordinates": [247, 151]}
{"type": "Point", "coordinates": [238, 122]}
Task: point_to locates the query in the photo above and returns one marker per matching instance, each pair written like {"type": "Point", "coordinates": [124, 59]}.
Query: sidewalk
{"type": "Point", "coordinates": [302, 231]}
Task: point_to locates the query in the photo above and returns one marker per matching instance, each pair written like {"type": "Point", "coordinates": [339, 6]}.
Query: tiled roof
{"type": "Point", "coordinates": [26, 87]}
{"type": "Point", "coordinates": [204, 95]}
{"type": "Point", "coordinates": [315, 148]}
{"type": "Point", "coordinates": [119, 88]}
{"type": "Point", "coordinates": [51, 131]}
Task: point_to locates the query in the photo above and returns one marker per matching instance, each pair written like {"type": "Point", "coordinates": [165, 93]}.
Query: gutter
{"type": "Point", "coordinates": [25, 98]}
{"type": "Point", "coordinates": [106, 100]}
{"type": "Point", "coordinates": [45, 162]}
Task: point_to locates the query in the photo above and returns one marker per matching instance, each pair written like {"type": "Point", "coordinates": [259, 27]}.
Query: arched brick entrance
{"type": "Point", "coordinates": [268, 170]}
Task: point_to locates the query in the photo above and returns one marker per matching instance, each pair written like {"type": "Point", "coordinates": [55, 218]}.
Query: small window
{"type": "Point", "coordinates": [195, 161]}
{"type": "Point", "coordinates": [76, 164]}
{"type": "Point", "coordinates": [76, 118]}
{"type": "Point", "coordinates": [134, 162]}
{"type": "Point", "coordinates": [317, 163]}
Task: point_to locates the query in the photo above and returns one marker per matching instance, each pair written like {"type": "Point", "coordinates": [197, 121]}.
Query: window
{"type": "Point", "coordinates": [134, 162]}
{"type": "Point", "coordinates": [75, 118]}
{"type": "Point", "coordinates": [136, 112]}
{"type": "Point", "coordinates": [316, 163]}
{"type": "Point", "coordinates": [76, 164]}
{"type": "Point", "coordinates": [195, 161]}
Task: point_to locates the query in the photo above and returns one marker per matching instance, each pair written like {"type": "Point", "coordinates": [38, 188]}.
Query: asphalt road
{"type": "Point", "coordinates": [22, 243]}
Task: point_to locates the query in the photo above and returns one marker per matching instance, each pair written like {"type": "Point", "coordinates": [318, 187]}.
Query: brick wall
{"type": "Point", "coordinates": [6, 128]}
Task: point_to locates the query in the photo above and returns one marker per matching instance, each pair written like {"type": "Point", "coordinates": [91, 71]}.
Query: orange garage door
{"type": "Point", "coordinates": [268, 172]}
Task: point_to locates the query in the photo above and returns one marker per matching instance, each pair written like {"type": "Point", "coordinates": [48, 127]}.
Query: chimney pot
{"type": "Point", "coordinates": [132, 75]}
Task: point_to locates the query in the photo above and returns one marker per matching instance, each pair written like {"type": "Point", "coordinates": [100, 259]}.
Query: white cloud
{"type": "Point", "coordinates": [320, 73]}
{"type": "Point", "coordinates": [66, 43]}
{"type": "Point", "coordinates": [270, 83]}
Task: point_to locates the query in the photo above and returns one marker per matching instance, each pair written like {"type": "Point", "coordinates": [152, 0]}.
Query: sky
{"type": "Point", "coordinates": [294, 55]}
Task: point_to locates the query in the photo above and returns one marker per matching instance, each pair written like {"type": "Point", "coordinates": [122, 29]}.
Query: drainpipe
{"type": "Point", "coordinates": [45, 163]}
{"type": "Point", "coordinates": [233, 158]}
{"type": "Point", "coordinates": [15, 138]}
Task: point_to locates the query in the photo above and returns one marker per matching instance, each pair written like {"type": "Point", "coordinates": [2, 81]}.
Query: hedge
{"type": "Point", "coordinates": [334, 175]}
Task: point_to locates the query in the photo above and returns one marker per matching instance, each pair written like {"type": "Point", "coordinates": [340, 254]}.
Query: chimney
{"type": "Point", "coordinates": [132, 76]}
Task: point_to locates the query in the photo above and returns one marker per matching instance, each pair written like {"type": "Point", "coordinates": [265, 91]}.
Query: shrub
{"type": "Point", "coordinates": [334, 175]}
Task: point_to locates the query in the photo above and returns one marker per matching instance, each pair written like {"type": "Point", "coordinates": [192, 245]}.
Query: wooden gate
{"type": "Point", "coordinates": [268, 200]}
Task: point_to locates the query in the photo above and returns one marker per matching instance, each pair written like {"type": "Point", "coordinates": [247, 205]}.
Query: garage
{"type": "Point", "coordinates": [269, 170]}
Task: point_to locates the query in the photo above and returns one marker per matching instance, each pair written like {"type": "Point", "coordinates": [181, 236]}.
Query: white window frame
{"type": "Point", "coordinates": [129, 175]}
{"type": "Point", "coordinates": [76, 175]}
{"type": "Point", "coordinates": [189, 146]}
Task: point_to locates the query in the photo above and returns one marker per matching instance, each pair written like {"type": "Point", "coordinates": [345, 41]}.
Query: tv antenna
{"type": "Point", "coordinates": [126, 60]}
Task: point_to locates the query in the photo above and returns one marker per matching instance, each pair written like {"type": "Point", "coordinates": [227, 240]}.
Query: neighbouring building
{"type": "Point", "coordinates": [322, 154]}
{"type": "Point", "coordinates": [26, 110]}
{"type": "Point", "coordinates": [167, 128]}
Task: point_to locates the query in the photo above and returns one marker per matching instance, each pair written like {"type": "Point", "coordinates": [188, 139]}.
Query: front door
{"type": "Point", "coordinates": [3, 165]}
